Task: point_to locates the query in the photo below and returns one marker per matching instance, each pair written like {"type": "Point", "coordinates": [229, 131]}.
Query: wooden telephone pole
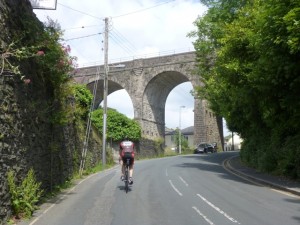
{"type": "Point", "coordinates": [105, 87]}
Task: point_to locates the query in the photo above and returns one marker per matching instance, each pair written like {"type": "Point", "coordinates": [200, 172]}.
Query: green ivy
{"type": "Point", "coordinates": [83, 98]}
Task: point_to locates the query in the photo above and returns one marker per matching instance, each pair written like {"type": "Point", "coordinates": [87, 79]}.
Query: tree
{"type": "Point", "coordinates": [118, 125]}
{"type": "Point", "coordinates": [248, 53]}
{"type": "Point", "coordinates": [183, 141]}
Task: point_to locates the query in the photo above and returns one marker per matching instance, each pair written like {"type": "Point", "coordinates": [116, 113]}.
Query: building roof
{"type": "Point", "coordinates": [188, 130]}
{"type": "Point", "coordinates": [185, 131]}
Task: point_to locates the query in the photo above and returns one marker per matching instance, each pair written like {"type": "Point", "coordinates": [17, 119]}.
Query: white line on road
{"type": "Point", "coordinates": [186, 184]}
{"type": "Point", "coordinates": [202, 215]}
{"type": "Point", "coordinates": [218, 209]}
{"type": "Point", "coordinates": [285, 193]}
{"type": "Point", "coordinates": [178, 192]}
{"type": "Point", "coordinates": [167, 173]}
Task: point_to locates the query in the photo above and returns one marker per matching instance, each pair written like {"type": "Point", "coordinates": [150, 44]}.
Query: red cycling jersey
{"type": "Point", "coordinates": [127, 150]}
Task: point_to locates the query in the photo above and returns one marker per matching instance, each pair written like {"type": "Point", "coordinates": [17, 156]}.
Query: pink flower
{"type": "Point", "coordinates": [40, 53]}
{"type": "Point", "coordinates": [26, 81]}
{"type": "Point", "coordinates": [66, 49]}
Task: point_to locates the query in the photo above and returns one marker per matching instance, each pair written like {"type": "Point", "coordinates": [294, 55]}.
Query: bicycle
{"type": "Point", "coordinates": [126, 175]}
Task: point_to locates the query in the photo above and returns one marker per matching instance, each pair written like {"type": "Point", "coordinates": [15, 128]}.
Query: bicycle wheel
{"type": "Point", "coordinates": [126, 179]}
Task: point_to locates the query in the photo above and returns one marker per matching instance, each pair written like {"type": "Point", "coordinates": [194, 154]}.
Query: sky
{"type": "Point", "coordinates": [137, 29]}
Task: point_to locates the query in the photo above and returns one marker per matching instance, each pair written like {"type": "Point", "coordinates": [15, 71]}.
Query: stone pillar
{"type": "Point", "coordinates": [199, 122]}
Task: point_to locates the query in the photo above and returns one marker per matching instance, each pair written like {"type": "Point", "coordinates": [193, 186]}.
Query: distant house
{"type": "Point", "coordinates": [187, 133]}
{"type": "Point", "coordinates": [237, 141]}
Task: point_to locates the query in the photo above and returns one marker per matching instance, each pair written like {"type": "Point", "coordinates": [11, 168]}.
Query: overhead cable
{"type": "Point", "coordinates": [138, 11]}
{"type": "Point", "coordinates": [82, 27]}
{"type": "Point", "coordinates": [81, 12]}
{"type": "Point", "coordinates": [126, 14]}
{"type": "Point", "coordinates": [124, 38]}
{"type": "Point", "coordinates": [121, 43]}
{"type": "Point", "coordinates": [70, 39]}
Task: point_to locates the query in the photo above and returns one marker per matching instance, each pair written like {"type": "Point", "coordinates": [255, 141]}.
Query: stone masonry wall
{"type": "Point", "coordinates": [214, 127]}
{"type": "Point", "coordinates": [28, 137]}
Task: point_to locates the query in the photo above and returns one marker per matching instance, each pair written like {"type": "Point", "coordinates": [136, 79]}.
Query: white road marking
{"type": "Point", "coordinates": [285, 193]}
{"type": "Point", "coordinates": [186, 184]}
{"type": "Point", "coordinates": [178, 192]}
{"type": "Point", "coordinates": [218, 209]}
{"type": "Point", "coordinates": [167, 173]}
{"type": "Point", "coordinates": [203, 216]}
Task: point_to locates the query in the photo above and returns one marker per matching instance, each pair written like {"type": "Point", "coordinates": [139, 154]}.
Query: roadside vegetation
{"type": "Point", "coordinates": [249, 54]}
{"type": "Point", "coordinates": [119, 126]}
{"type": "Point", "coordinates": [24, 196]}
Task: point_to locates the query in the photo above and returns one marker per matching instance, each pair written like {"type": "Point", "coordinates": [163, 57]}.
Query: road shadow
{"type": "Point", "coordinates": [297, 202]}
{"type": "Point", "coordinates": [212, 162]}
{"type": "Point", "coordinates": [122, 188]}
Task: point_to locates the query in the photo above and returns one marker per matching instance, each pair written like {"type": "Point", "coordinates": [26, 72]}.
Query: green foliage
{"type": "Point", "coordinates": [169, 152]}
{"type": "Point", "coordinates": [99, 167]}
{"type": "Point", "coordinates": [25, 196]}
{"type": "Point", "coordinates": [118, 125]}
{"type": "Point", "coordinates": [83, 98]}
{"type": "Point", "coordinates": [158, 145]}
{"type": "Point", "coordinates": [248, 53]}
{"type": "Point", "coordinates": [184, 142]}
{"type": "Point", "coordinates": [46, 54]}
{"type": "Point", "coordinates": [83, 95]}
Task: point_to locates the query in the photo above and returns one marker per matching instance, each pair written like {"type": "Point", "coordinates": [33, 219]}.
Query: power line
{"type": "Point", "coordinates": [81, 12]}
{"type": "Point", "coordinates": [70, 39]}
{"type": "Point", "coordinates": [138, 11]}
{"type": "Point", "coordinates": [124, 38]}
{"type": "Point", "coordinates": [126, 14]}
{"type": "Point", "coordinates": [82, 27]}
{"type": "Point", "coordinates": [121, 43]}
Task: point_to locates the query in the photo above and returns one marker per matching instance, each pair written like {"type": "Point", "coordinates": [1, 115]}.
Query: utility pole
{"type": "Point", "coordinates": [105, 88]}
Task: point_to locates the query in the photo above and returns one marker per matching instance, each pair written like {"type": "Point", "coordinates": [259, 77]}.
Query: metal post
{"type": "Point", "coordinates": [232, 139]}
{"type": "Point", "coordinates": [105, 87]}
{"type": "Point", "coordinates": [180, 128]}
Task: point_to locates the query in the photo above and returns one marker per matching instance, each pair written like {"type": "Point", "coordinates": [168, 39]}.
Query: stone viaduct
{"type": "Point", "coordinates": [148, 81]}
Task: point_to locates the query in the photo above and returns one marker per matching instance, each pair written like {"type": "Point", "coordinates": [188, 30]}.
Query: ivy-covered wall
{"type": "Point", "coordinates": [30, 137]}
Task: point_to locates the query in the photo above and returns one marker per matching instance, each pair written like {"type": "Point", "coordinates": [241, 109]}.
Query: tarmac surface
{"type": "Point", "coordinates": [235, 166]}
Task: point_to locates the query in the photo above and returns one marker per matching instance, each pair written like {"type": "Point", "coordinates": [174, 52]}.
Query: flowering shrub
{"type": "Point", "coordinates": [50, 56]}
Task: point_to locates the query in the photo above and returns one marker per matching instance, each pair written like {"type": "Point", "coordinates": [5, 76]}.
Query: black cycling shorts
{"type": "Point", "coordinates": [128, 155]}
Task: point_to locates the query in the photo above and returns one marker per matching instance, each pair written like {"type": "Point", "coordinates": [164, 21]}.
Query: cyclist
{"type": "Point", "coordinates": [126, 151]}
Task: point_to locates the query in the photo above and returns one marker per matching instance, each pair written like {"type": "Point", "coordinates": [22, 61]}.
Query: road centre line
{"type": "Point", "coordinates": [218, 209]}
{"type": "Point", "coordinates": [203, 216]}
{"type": "Point", "coordinates": [167, 173]}
{"type": "Point", "coordinates": [178, 192]}
{"type": "Point", "coordinates": [186, 184]}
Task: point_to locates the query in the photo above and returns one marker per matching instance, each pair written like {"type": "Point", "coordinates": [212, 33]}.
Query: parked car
{"type": "Point", "coordinates": [215, 145]}
{"type": "Point", "coordinates": [204, 148]}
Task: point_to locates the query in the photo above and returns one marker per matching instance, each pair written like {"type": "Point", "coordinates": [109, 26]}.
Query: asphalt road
{"type": "Point", "coordinates": [181, 190]}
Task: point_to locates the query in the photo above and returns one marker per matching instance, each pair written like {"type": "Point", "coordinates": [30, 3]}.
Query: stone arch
{"type": "Point", "coordinates": [112, 87]}
{"type": "Point", "coordinates": [154, 101]}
